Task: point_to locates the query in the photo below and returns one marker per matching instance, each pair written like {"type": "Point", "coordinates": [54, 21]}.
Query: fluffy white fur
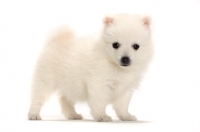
{"type": "Point", "coordinates": [88, 69]}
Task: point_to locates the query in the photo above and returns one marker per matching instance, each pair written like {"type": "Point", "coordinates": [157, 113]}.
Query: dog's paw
{"type": "Point", "coordinates": [128, 117]}
{"type": "Point", "coordinates": [34, 117]}
{"type": "Point", "coordinates": [75, 117]}
{"type": "Point", "coordinates": [104, 118]}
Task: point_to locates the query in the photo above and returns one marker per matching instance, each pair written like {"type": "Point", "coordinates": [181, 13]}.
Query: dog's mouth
{"type": "Point", "coordinates": [125, 65]}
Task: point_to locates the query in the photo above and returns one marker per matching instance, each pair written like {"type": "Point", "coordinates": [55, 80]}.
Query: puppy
{"type": "Point", "coordinates": [100, 69]}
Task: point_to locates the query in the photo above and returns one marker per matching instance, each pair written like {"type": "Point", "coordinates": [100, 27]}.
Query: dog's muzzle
{"type": "Point", "coordinates": [125, 61]}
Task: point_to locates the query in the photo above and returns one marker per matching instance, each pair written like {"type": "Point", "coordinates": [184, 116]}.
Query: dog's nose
{"type": "Point", "coordinates": [125, 61]}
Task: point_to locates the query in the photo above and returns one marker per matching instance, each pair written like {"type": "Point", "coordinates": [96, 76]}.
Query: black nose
{"type": "Point", "coordinates": [125, 61]}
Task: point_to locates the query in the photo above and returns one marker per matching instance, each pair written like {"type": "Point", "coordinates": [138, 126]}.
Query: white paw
{"type": "Point", "coordinates": [75, 117]}
{"type": "Point", "coordinates": [128, 117]}
{"type": "Point", "coordinates": [104, 118]}
{"type": "Point", "coordinates": [34, 117]}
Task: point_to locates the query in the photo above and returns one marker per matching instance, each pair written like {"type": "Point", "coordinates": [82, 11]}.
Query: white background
{"type": "Point", "coordinates": [169, 96]}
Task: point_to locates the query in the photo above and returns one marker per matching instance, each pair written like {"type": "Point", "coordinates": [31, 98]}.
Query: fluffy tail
{"type": "Point", "coordinates": [62, 34]}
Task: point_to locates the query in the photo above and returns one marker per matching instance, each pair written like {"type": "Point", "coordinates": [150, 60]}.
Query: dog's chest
{"type": "Point", "coordinates": [118, 84]}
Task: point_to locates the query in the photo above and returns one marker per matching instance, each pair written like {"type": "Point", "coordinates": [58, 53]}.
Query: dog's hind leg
{"type": "Point", "coordinates": [39, 94]}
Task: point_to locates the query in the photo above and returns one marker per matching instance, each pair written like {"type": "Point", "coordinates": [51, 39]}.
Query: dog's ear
{"type": "Point", "coordinates": [146, 21]}
{"type": "Point", "coordinates": [107, 21]}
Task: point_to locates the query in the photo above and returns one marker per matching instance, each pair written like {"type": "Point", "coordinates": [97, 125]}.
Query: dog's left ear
{"type": "Point", "coordinates": [146, 21]}
{"type": "Point", "coordinates": [107, 21]}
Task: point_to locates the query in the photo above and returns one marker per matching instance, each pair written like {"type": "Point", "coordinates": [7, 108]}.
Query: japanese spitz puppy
{"type": "Point", "coordinates": [100, 70]}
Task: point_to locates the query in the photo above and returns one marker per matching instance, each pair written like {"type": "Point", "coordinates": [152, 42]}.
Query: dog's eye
{"type": "Point", "coordinates": [136, 46]}
{"type": "Point", "coordinates": [115, 45]}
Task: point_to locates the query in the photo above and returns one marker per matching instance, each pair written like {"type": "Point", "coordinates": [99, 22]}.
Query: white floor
{"type": "Point", "coordinates": [58, 123]}
{"type": "Point", "coordinates": [168, 99]}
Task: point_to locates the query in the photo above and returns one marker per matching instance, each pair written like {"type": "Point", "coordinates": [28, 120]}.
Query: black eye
{"type": "Point", "coordinates": [136, 46]}
{"type": "Point", "coordinates": [115, 45]}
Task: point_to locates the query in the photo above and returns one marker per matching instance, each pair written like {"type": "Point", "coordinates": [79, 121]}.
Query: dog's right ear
{"type": "Point", "coordinates": [107, 21]}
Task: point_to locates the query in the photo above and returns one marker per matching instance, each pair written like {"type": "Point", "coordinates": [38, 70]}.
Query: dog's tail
{"type": "Point", "coordinates": [62, 35]}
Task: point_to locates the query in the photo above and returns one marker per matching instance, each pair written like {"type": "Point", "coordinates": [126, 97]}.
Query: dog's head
{"type": "Point", "coordinates": [127, 39]}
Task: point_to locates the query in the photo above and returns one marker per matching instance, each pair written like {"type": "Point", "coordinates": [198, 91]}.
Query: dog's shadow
{"type": "Point", "coordinates": [93, 121]}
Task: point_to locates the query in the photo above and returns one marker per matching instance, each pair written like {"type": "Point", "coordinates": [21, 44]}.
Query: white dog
{"type": "Point", "coordinates": [100, 70]}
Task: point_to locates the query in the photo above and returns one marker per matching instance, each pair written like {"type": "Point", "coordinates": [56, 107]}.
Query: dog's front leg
{"type": "Point", "coordinates": [121, 105]}
{"type": "Point", "coordinates": [98, 98]}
